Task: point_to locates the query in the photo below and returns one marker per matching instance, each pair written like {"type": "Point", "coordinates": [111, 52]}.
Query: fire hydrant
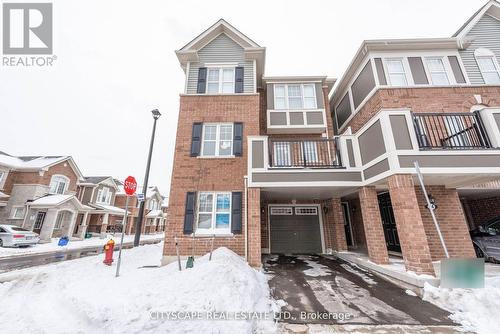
{"type": "Point", "coordinates": [108, 252]}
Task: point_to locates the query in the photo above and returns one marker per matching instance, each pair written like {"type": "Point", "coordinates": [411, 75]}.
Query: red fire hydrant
{"type": "Point", "coordinates": [108, 252]}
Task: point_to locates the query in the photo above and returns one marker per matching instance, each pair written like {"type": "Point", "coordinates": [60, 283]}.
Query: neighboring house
{"type": "Point", "coordinates": [38, 193]}
{"type": "Point", "coordinates": [99, 192]}
{"type": "Point", "coordinates": [260, 165]}
{"type": "Point", "coordinates": [154, 219]}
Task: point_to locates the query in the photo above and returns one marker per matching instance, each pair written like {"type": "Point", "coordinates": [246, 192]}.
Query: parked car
{"type": "Point", "coordinates": [486, 240]}
{"type": "Point", "coordinates": [15, 236]}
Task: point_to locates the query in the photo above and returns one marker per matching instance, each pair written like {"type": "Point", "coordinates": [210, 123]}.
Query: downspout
{"type": "Point", "coordinates": [245, 178]}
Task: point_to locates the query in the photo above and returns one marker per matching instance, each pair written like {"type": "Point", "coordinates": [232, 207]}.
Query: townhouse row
{"type": "Point", "coordinates": [50, 196]}
{"type": "Point", "coordinates": [289, 164]}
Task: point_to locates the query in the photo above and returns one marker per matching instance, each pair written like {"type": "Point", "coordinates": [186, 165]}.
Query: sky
{"type": "Point", "coordinates": [116, 62]}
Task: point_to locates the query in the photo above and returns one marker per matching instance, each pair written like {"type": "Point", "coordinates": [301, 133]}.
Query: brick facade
{"type": "Point", "coordinates": [334, 226]}
{"type": "Point", "coordinates": [484, 209]}
{"type": "Point", "coordinates": [412, 236]}
{"type": "Point", "coordinates": [372, 223]}
{"type": "Point", "coordinates": [212, 174]}
{"type": "Point", "coordinates": [254, 240]}
{"type": "Point", "coordinates": [424, 99]}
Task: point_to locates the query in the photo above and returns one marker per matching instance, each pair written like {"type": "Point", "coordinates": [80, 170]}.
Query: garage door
{"type": "Point", "coordinates": [295, 230]}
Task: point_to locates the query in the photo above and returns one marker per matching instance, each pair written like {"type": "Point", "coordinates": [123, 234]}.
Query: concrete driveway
{"type": "Point", "coordinates": [321, 290]}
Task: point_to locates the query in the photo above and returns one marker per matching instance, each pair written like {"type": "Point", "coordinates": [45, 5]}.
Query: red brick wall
{"type": "Point", "coordinates": [452, 223]}
{"type": "Point", "coordinates": [424, 99]}
{"type": "Point", "coordinates": [254, 240]}
{"type": "Point", "coordinates": [484, 209]}
{"type": "Point", "coordinates": [198, 174]}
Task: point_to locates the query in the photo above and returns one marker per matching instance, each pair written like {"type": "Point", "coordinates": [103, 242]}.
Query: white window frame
{"type": "Point", "coordinates": [287, 101]}
{"type": "Point", "coordinates": [213, 230]}
{"type": "Point", "coordinates": [217, 140]}
{"type": "Point", "coordinates": [15, 210]}
{"type": "Point", "coordinates": [311, 151]}
{"type": "Point", "coordinates": [107, 200]}
{"type": "Point", "coordinates": [285, 158]}
{"type": "Point", "coordinates": [221, 81]}
{"type": "Point", "coordinates": [57, 178]}
{"type": "Point", "coordinates": [483, 53]}
{"type": "Point", "coordinates": [429, 72]}
{"type": "Point", "coordinates": [2, 174]}
{"type": "Point", "coordinates": [388, 74]}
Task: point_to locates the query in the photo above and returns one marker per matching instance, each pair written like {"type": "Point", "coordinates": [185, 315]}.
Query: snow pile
{"type": "Point", "coordinates": [316, 269]}
{"type": "Point", "coordinates": [476, 309]}
{"type": "Point", "coordinates": [352, 268]}
{"type": "Point", "coordinates": [83, 296]}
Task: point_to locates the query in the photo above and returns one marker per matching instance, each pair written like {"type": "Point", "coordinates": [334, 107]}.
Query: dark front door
{"type": "Point", "coordinates": [389, 223]}
{"type": "Point", "coordinates": [40, 218]}
{"type": "Point", "coordinates": [347, 224]}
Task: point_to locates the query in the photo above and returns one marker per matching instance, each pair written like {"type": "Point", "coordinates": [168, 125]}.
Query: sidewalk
{"type": "Point", "coordinates": [72, 245]}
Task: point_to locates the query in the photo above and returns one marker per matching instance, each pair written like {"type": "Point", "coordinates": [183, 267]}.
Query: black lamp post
{"type": "Point", "coordinates": [138, 223]}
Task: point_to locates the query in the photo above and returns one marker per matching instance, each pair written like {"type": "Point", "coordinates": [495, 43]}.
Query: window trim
{"type": "Point", "coordinates": [213, 230]}
{"type": "Point", "coordinates": [14, 211]}
{"type": "Point", "coordinates": [406, 72]}
{"type": "Point", "coordinates": [217, 141]}
{"type": "Point", "coordinates": [66, 186]}
{"type": "Point", "coordinates": [287, 101]}
{"type": "Point", "coordinates": [487, 54]}
{"type": "Point", "coordinates": [445, 71]}
{"type": "Point", "coordinates": [99, 194]}
{"type": "Point", "coordinates": [220, 82]}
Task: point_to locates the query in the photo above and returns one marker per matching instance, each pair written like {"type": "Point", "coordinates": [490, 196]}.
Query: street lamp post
{"type": "Point", "coordinates": [138, 223]}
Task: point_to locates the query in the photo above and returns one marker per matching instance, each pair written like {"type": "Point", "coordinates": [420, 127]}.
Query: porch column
{"type": "Point", "coordinates": [48, 225]}
{"type": "Point", "coordinates": [253, 216]}
{"type": "Point", "coordinates": [372, 224]}
{"type": "Point", "coordinates": [334, 226]}
{"type": "Point", "coordinates": [82, 229]}
{"type": "Point", "coordinates": [104, 224]}
{"type": "Point", "coordinates": [411, 231]}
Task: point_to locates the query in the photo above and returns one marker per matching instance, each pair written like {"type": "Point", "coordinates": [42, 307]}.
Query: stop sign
{"type": "Point", "coordinates": [130, 185]}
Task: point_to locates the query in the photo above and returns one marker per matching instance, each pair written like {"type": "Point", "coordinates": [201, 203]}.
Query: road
{"type": "Point", "coordinates": [33, 260]}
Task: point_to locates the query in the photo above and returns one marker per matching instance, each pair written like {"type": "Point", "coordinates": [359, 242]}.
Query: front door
{"type": "Point", "coordinates": [40, 218]}
{"type": "Point", "coordinates": [389, 223]}
{"type": "Point", "coordinates": [347, 224]}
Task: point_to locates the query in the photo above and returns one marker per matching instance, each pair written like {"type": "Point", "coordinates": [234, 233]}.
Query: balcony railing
{"type": "Point", "coordinates": [305, 153]}
{"type": "Point", "coordinates": [450, 131]}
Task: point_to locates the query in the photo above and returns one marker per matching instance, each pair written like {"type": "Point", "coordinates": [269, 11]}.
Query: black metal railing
{"type": "Point", "coordinates": [450, 131]}
{"type": "Point", "coordinates": [304, 153]}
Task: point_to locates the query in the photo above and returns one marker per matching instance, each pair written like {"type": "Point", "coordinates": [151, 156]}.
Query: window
{"type": "Point", "coordinates": [489, 69]}
{"type": "Point", "coordinates": [40, 217]}
{"type": "Point", "coordinates": [306, 211]}
{"type": "Point", "coordinates": [311, 151]}
{"type": "Point", "coordinates": [437, 71]}
{"type": "Point", "coordinates": [396, 72]}
{"type": "Point", "coordinates": [59, 220]}
{"type": "Point", "coordinates": [220, 80]}
{"type": "Point", "coordinates": [282, 154]}
{"type": "Point", "coordinates": [18, 212]}
{"type": "Point", "coordinates": [294, 96]}
{"type": "Point", "coordinates": [281, 211]}
{"type": "Point", "coordinates": [153, 205]}
{"type": "Point", "coordinates": [217, 140]}
{"type": "Point", "coordinates": [214, 212]}
{"type": "Point", "coordinates": [58, 184]}
{"type": "Point", "coordinates": [1, 176]}
{"type": "Point", "coordinates": [104, 196]}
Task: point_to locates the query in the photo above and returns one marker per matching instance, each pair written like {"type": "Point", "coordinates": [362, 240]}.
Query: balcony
{"type": "Point", "coordinates": [450, 131]}
{"type": "Point", "coordinates": [306, 153]}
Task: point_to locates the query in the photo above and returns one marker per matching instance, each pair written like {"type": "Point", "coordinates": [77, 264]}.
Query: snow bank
{"type": "Point", "coordinates": [84, 296]}
{"type": "Point", "coordinates": [476, 309]}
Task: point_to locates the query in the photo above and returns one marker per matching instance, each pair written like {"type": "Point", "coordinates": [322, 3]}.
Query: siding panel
{"type": "Point", "coordinates": [486, 35]}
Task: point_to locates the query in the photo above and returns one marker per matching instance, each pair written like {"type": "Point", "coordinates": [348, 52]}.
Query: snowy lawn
{"type": "Point", "coordinates": [52, 246]}
{"type": "Point", "coordinates": [477, 310]}
{"type": "Point", "coordinates": [83, 296]}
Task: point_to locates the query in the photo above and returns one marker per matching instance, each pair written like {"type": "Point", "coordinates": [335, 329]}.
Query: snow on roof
{"type": "Point", "coordinates": [95, 179]}
{"type": "Point", "coordinates": [52, 200]}
{"type": "Point", "coordinates": [110, 208]}
{"type": "Point", "coordinates": [3, 195]}
{"type": "Point", "coordinates": [154, 214]}
{"type": "Point", "coordinates": [29, 162]}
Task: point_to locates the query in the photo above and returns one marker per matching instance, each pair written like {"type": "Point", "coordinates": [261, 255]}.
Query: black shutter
{"type": "Point", "coordinates": [189, 212]}
{"type": "Point", "coordinates": [238, 85]}
{"type": "Point", "coordinates": [202, 80]}
{"type": "Point", "coordinates": [236, 212]}
{"type": "Point", "coordinates": [238, 139]}
{"type": "Point", "coordinates": [196, 139]}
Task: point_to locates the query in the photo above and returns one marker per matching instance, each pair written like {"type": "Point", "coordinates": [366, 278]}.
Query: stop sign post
{"type": "Point", "coordinates": [129, 186]}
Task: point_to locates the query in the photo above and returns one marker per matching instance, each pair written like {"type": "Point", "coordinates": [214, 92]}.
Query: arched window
{"type": "Point", "coordinates": [488, 65]}
{"type": "Point", "coordinates": [58, 184]}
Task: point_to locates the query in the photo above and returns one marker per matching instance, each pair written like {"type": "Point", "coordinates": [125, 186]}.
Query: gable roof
{"type": "Point", "coordinates": [38, 162]}
{"type": "Point", "coordinates": [492, 8]}
{"type": "Point", "coordinates": [95, 180]}
{"type": "Point", "coordinates": [251, 50]}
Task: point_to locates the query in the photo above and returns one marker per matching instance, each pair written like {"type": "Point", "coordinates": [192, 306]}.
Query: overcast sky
{"type": "Point", "coordinates": [116, 62]}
